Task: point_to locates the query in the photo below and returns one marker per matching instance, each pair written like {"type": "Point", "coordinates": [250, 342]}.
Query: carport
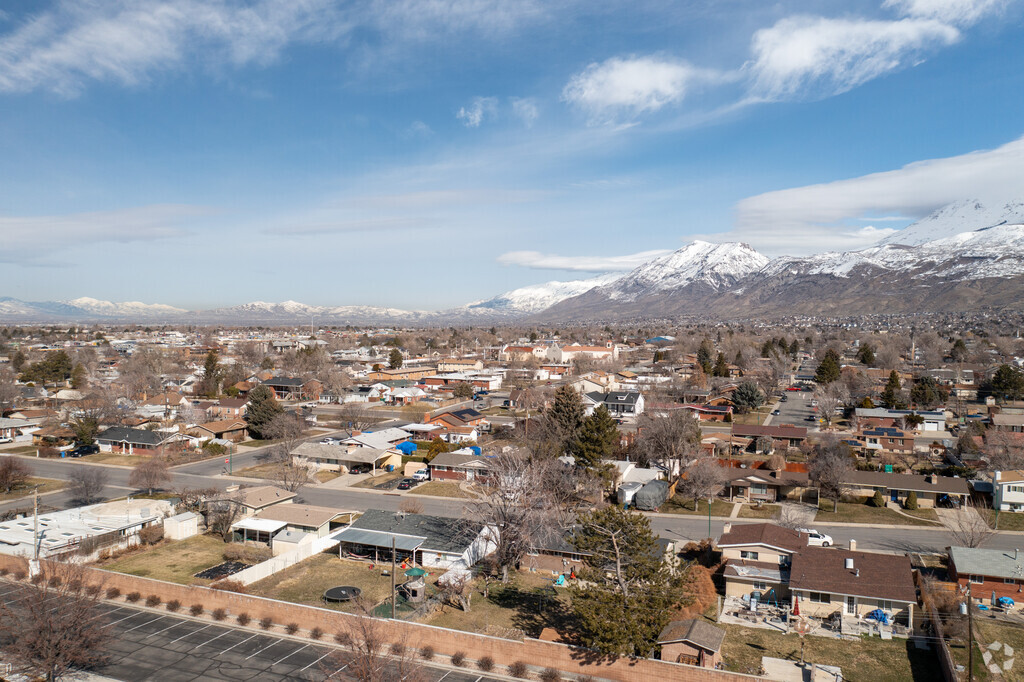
{"type": "Point", "coordinates": [360, 543]}
{"type": "Point", "coordinates": [256, 530]}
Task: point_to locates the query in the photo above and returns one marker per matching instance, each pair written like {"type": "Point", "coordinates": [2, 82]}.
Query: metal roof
{"type": "Point", "coordinates": [263, 525]}
{"type": "Point", "coordinates": [376, 538]}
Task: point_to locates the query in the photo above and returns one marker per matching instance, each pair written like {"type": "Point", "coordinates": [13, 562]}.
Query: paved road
{"type": "Point", "coordinates": [163, 647]}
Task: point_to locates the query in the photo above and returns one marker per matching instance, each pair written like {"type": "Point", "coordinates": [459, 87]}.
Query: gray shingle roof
{"type": "Point", "coordinates": [442, 533]}
{"type": "Point", "coordinates": [995, 563]}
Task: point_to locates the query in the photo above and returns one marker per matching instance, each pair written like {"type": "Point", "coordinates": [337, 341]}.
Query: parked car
{"type": "Point", "coordinates": [6, 439]}
{"type": "Point", "coordinates": [360, 469]}
{"type": "Point", "coordinates": [784, 399]}
{"type": "Point", "coordinates": [82, 450]}
{"type": "Point", "coordinates": [330, 441]}
{"type": "Point", "coordinates": [776, 412]}
{"type": "Point", "coordinates": [407, 483]}
{"type": "Point", "coordinates": [422, 475]}
{"type": "Point", "coordinates": [816, 539]}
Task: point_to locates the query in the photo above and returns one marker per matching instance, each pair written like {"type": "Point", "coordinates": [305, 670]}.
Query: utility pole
{"type": "Point", "coordinates": [393, 562]}
{"type": "Point", "coordinates": [35, 524]}
{"type": "Point", "coordinates": [970, 634]}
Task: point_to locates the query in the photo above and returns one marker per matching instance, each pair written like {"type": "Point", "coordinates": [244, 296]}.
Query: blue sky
{"type": "Point", "coordinates": [425, 153]}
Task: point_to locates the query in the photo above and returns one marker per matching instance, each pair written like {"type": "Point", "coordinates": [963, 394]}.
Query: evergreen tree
{"type": "Point", "coordinates": [704, 356]}
{"type": "Point", "coordinates": [567, 411]}
{"type": "Point", "coordinates": [18, 360]}
{"type": "Point", "coordinates": [794, 347]}
{"type": "Point", "coordinates": [927, 393]}
{"type": "Point", "coordinates": [721, 368]}
{"type": "Point", "coordinates": [1007, 383]}
{"type": "Point", "coordinates": [783, 346]}
{"type": "Point", "coordinates": [767, 348]}
{"type": "Point", "coordinates": [958, 353]}
{"type": "Point", "coordinates": [739, 360]}
{"type": "Point", "coordinates": [212, 374]}
{"type": "Point", "coordinates": [395, 359]}
{"type": "Point", "coordinates": [55, 367]}
{"type": "Point", "coordinates": [597, 439]}
{"type": "Point", "coordinates": [891, 394]}
{"type": "Point", "coordinates": [866, 354]}
{"type": "Point", "coordinates": [747, 396]}
{"type": "Point", "coordinates": [828, 370]}
{"type": "Point", "coordinates": [79, 376]}
{"type": "Point", "coordinates": [263, 408]}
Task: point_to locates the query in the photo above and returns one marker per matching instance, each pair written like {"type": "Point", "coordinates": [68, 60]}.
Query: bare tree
{"type": "Point", "coordinates": [455, 590]}
{"type": "Point", "coordinates": [701, 480]}
{"type": "Point", "coordinates": [289, 431]}
{"type": "Point", "coordinates": [355, 417]}
{"type": "Point", "coordinates": [193, 499]}
{"type": "Point", "coordinates": [221, 514]}
{"type": "Point", "coordinates": [53, 626]}
{"type": "Point", "coordinates": [830, 466]}
{"type": "Point", "coordinates": [150, 473]}
{"type": "Point", "coordinates": [291, 476]}
{"type": "Point", "coordinates": [830, 398]}
{"type": "Point", "coordinates": [9, 390]}
{"type": "Point", "coordinates": [787, 517]}
{"type": "Point", "coordinates": [372, 653]}
{"type": "Point", "coordinates": [86, 483]}
{"type": "Point", "coordinates": [672, 441]}
{"type": "Point", "coordinates": [1002, 452]}
{"type": "Point", "coordinates": [968, 528]}
{"type": "Point", "coordinates": [14, 473]}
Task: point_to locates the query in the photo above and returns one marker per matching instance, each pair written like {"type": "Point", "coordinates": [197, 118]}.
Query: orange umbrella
{"type": "Point", "coordinates": [796, 606]}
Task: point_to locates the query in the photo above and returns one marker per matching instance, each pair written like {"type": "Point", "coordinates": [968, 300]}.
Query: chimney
{"type": "Point", "coordinates": [853, 546]}
{"type": "Point", "coordinates": [726, 528]}
{"type": "Point", "coordinates": [849, 563]}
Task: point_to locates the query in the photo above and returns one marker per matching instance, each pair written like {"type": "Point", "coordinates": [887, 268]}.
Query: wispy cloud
{"type": "Point", "coordinates": [627, 86]}
{"type": "Point", "coordinates": [959, 12]}
{"type": "Point", "coordinates": [544, 261]}
{"type": "Point", "coordinates": [35, 239]}
{"type": "Point", "coordinates": [816, 218]}
{"type": "Point", "coordinates": [525, 109]}
{"type": "Point", "coordinates": [479, 109]}
{"type": "Point", "coordinates": [805, 57]}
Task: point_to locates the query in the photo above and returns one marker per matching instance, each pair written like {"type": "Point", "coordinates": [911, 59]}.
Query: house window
{"type": "Point", "coordinates": [885, 604]}
{"type": "Point", "coordinates": [1008, 581]}
{"type": "Point", "coordinates": [760, 585]}
{"type": "Point", "coordinates": [759, 489]}
{"type": "Point", "coordinates": [748, 555]}
{"type": "Point", "coordinates": [977, 579]}
{"type": "Point", "coordinates": [820, 597]}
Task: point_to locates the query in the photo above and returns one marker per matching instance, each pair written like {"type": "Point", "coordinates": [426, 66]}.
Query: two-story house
{"type": "Point", "coordinates": [758, 558]}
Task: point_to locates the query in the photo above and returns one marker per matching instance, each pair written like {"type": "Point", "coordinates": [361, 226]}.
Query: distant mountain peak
{"type": "Point", "coordinates": [964, 215]}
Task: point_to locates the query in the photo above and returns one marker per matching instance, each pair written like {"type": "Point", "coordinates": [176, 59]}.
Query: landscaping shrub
{"type": "Point", "coordinates": [4, 571]}
{"type": "Point", "coordinates": [266, 622]}
{"type": "Point", "coordinates": [133, 597]}
{"type": "Point", "coordinates": [20, 575]}
{"type": "Point", "coordinates": [53, 581]}
{"type": "Point", "coordinates": [93, 590]}
{"type": "Point", "coordinates": [37, 579]}
{"type": "Point", "coordinates": [520, 669]}
{"type": "Point", "coordinates": [586, 678]}
{"type": "Point", "coordinates": [486, 664]}
{"type": "Point", "coordinates": [48, 452]}
{"type": "Point", "coordinates": [911, 502]}
{"type": "Point", "coordinates": [153, 600]}
{"type": "Point", "coordinates": [196, 609]}
{"type": "Point", "coordinates": [230, 586]}
{"type": "Point", "coordinates": [248, 555]}
{"type": "Point", "coordinates": [427, 653]}
{"type": "Point", "coordinates": [219, 614]}
{"type": "Point", "coordinates": [878, 500]}
{"type": "Point", "coordinates": [152, 534]}
{"type": "Point", "coordinates": [550, 675]}
{"type": "Point", "coordinates": [458, 658]}
{"type": "Point", "coordinates": [343, 638]}
{"type": "Point", "coordinates": [173, 606]}
{"type": "Point", "coordinates": [243, 619]}
{"type": "Point", "coordinates": [113, 593]}
{"type": "Point", "coordinates": [291, 628]}
{"type": "Point", "coordinates": [316, 633]}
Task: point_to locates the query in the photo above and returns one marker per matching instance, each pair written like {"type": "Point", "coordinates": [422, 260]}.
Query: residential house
{"type": "Point", "coordinates": [521, 353]}
{"type": "Point", "coordinates": [710, 413]}
{"type": "Point", "coordinates": [228, 408]}
{"type": "Point", "coordinates": [555, 353]}
{"type": "Point", "coordinates": [757, 559]}
{"type": "Point", "coordinates": [13, 429]}
{"type": "Point", "coordinates": [930, 489]}
{"type": "Point", "coordinates": [1008, 490]}
{"type": "Point", "coordinates": [620, 404]}
{"type": "Point", "coordinates": [882, 417]}
{"type": "Point", "coordinates": [294, 388]}
{"type": "Point", "coordinates": [431, 541]}
{"type": "Point", "coordinates": [306, 518]}
{"type": "Point", "coordinates": [886, 440]}
{"type": "Point", "coordinates": [830, 580]}
{"type": "Point", "coordinates": [784, 435]}
{"type": "Point", "coordinates": [480, 381]}
{"type": "Point", "coordinates": [408, 373]}
{"type": "Point", "coordinates": [988, 571]}
{"type": "Point", "coordinates": [251, 501]}
{"type": "Point", "coordinates": [459, 365]}
{"type": "Point", "coordinates": [693, 642]}
{"type": "Point", "coordinates": [1005, 421]}
{"type": "Point", "coordinates": [226, 429]}
{"type": "Point", "coordinates": [460, 465]}
{"type": "Point", "coordinates": [758, 482]}
{"type": "Point", "coordinates": [346, 457]}
{"type": "Point", "coordinates": [128, 441]}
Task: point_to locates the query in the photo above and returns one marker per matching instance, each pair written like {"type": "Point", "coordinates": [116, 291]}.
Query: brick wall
{"type": "Point", "coordinates": [445, 642]}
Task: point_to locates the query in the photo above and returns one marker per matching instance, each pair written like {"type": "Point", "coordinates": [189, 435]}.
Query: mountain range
{"type": "Point", "coordinates": [966, 254]}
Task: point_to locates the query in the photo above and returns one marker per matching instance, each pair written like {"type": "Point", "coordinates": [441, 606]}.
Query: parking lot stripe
{"type": "Point", "coordinates": [130, 615]}
{"type": "Point", "coordinates": [188, 633]}
{"type": "Point", "coordinates": [293, 653]}
{"type": "Point", "coordinates": [215, 638]}
{"type": "Point", "coordinates": [234, 645]}
{"type": "Point", "coordinates": [445, 675]}
{"type": "Point", "coordinates": [180, 622]}
{"type": "Point", "coordinates": [146, 623]}
{"type": "Point", "coordinates": [263, 649]}
{"type": "Point", "coordinates": [337, 671]}
{"type": "Point", "coordinates": [311, 664]}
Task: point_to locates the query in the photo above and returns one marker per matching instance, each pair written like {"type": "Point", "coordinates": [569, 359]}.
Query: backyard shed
{"type": "Point", "coordinates": [651, 496]}
{"type": "Point", "coordinates": [181, 526]}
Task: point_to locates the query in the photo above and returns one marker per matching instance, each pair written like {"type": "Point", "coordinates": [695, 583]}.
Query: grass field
{"type": "Point", "coordinates": [256, 443]}
{"type": "Point", "coordinates": [306, 581]}
{"type": "Point", "coordinates": [854, 512]}
{"type": "Point", "coordinates": [267, 471]}
{"type": "Point", "coordinates": [1005, 520]}
{"type": "Point", "coordinates": [680, 505]}
{"type": "Point", "coordinates": [46, 485]}
{"type": "Point", "coordinates": [374, 481]}
{"type": "Point", "coordinates": [440, 489]}
{"type": "Point", "coordinates": [869, 658]}
{"type": "Point", "coordinates": [20, 450]}
{"type": "Point", "coordinates": [174, 562]}
{"type": "Point", "coordinates": [112, 458]}
{"type": "Point", "coordinates": [765, 511]}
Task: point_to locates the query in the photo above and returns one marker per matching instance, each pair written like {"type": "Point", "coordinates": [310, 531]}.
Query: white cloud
{"type": "Point", "coordinates": [815, 218]}
{"type": "Point", "coordinates": [35, 238]}
{"type": "Point", "coordinates": [809, 57]}
{"type": "Point", "coordinates": [127, 42]}
{"type": "Point", "coordinates": [479, 109]}
{"type": "Point", "coordinates": [630, 86]}
{"type": "Point", "coordinates": [525, 109]}
{"type": "Point", "coordinates": [543, 261]}
{"type": "Point", "coordinates": [959, 12]}
{"type": "Point", "coordinates": [871, 233]}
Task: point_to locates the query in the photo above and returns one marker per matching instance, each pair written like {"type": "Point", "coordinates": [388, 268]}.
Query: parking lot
{"type": "Point", "coordinates": [149, 645]}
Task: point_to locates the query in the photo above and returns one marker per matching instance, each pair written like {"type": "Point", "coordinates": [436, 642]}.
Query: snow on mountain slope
{"type": "Point", "coordinates": [537, 297]}
{"type": "Point", "coordinates": [717, 266]}
{"type": "Point", "coordinates": [960, 216]}
{"type": "Point", "coordinates": [127, 309]}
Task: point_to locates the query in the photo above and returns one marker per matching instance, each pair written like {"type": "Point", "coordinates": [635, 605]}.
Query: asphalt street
{"type": "Point", "coordinates": [150, 645]}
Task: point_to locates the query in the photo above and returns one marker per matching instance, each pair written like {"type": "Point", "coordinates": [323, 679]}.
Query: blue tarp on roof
{"type": "Point", "coordinates": [406, 448]}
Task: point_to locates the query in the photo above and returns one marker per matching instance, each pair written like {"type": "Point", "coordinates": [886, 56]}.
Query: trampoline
{"type": "Point", "coordinates": [343, 593]}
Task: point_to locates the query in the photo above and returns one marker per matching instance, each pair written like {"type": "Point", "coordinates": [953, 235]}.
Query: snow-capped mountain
{"type": "Point", "coordinates": [293, 312]}
{"type": "Point", "coordinates": [537, 297]}
{"type": "Point", "coordinates": [128, 310]}
{"type": "Point", "coordinates": [960, 216]}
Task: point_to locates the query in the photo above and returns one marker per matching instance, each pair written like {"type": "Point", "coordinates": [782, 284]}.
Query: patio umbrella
{"type": "Point", "coordinates": [796, 606]}
{"type": "Point", "coordinates": [415, 572]}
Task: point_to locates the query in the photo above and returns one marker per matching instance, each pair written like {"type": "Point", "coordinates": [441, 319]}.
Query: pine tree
{"type": "Point", "coordinates": [261, 411]}
{"type": "Point", "coordinates": [597, 439]}
{"type": "Point", "coordinates": [866, 354]}
{"type": "Point", "coordinates": [767, 348]}
{"type": "Point", "coordinates": [212, 374]}
{"type": "Point", "coordinates": [891, 394]}
{"type": "Point", "coordinates": [747, 396]}
{"type": "Point", "coordinates": [958, 353]}
{"type": "Point", "coordinates": [828, 369]}
{"type": "Point", "coordinates": [739, 360]}
{"type": "Point", "coordinates": [395, 359]}
{"type": "Point", "coordinates": [704, 356]}
{"type": "Point", "coordinates": [721, 368]}
{"type": "Point", "coordinates": [794, 347]}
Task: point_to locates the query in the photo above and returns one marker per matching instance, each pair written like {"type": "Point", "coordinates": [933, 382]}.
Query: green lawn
{"type": "Point", "coordinates": [306, 581]}
{"type": "Point", "coordinates": [324, 475]}
{"type": "Point", "coordinates": [374, 481]}
{"type": "Point", "coordinates": [1005, 520]}
{"type": "Point", "coordinates": [20, 450]}
{"type": "Point", "coordinates": [765, 511]}
{"type": "Point", "coordinates": [267, 471]}
{"type": "Point", "coordinates": [440, 489]}
{"type": "Point", "coordinates": [174, 561]}
{"type": "Point", "coordinates": [256, 443]}
{"type": "Point", "coordinates": [680, 505]}
{"type": "Point", "coordinates": [46, 485]}
{"type": "Point", "coordinates": [112, 458]}
{"type": "Point", "coordinates": [856, 512]}
{"type": "Point", "coordinates": [869, 658]}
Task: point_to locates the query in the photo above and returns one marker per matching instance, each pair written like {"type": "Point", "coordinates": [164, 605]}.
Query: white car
{"type": "Point", "coordinates": [330, 441]}
{"type": "Point", "coordinates": [816, 539]}
{"type": "Point", "coordinates": [421, 475]}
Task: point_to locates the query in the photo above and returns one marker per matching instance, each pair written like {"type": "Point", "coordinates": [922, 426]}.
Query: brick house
{"type": "Point", "coordinates": [693, 642]}
{"type": "Point", "coordinates": [461, 465]}
{"type": "Point", "coordinates": [987, 571]}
